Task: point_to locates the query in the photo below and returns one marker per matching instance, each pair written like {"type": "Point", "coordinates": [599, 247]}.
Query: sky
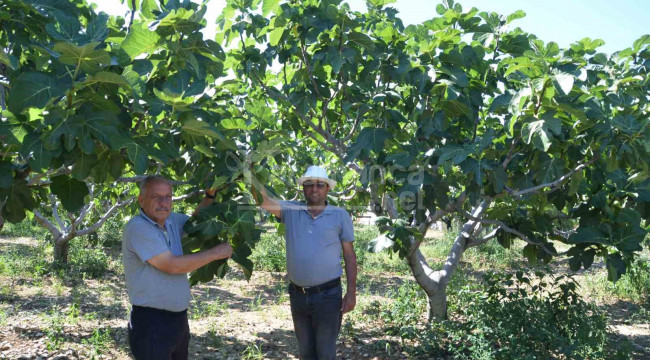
{"type": "Point", "coordinates": [618, 23]}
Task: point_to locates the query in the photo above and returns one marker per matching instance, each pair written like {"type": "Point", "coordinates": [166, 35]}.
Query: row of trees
{"type": "Point", "coordinates": [458, 116]}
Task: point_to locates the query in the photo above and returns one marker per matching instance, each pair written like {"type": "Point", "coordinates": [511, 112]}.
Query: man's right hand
{"type": "Point", "coordinates": [172, 264]}
{"type": "Point", "coordinates": [222, 251]}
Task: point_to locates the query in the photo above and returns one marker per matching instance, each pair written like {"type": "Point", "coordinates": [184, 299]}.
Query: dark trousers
{"type": "Point", "coordinates": [317, 321]}
{"type": "Point", "coordinates": [158, 334]}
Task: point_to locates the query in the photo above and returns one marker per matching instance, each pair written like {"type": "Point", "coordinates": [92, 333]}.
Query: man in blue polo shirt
{"type": "Point", "coordinates": [156, 273]}
{"type": "Point", "coordinates": [316, 235]}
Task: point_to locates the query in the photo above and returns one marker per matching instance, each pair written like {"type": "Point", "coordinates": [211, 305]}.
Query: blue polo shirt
{"type": "Point", "coordinates": [147, 286]}
{"type": "Point", "coordinates": [314, 243]}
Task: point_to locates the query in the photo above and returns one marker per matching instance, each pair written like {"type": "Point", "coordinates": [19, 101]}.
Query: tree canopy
{"type": "Point", "coordinates": [463, 115]}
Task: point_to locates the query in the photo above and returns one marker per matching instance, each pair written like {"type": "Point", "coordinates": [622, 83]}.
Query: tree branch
{"type": "Point", "coordinates": [510, 153]}
{"type": "Point", "coordinates": [83, 212]}
{"type": "Point", "coordinates": [52, 172]}
{"type": "Point", "coordinates": [55, 211]}
{"type": "Point", "coordinates": [133, 4]}
{"type": "Point", "coordinates": [503, 226]}
{"type": "Point", "coordinates": [138, 178]}
{"type": "Point", "coordinates": [44, 222]}
{"type": "Point", "coordinates": [556, 182]}
{"type": "Point", "coordinates": [279, 96]}
{"type": "Point", "coordinates": [357, 121]}
{"type": "Point", "coordinates": [305, 60]}
{"type": "Point", "coordinates": [188, 195]}
{"type": "Point", "coordinates": [480, 241]}
{"type": "Point", "coordinates": [105, 217]}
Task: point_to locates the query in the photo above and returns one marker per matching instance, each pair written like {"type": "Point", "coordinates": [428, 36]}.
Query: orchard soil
{"type": "Point", "coordinates": [62, 318]}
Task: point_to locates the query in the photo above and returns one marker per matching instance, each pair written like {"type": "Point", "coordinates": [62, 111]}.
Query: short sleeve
{"type": "Point", "coordinates": [287, 209]}
{"type": "Point", "coordinates": [181, 219]}
{"type": "Point", "coordinates": [144, 242]}
{"type": "Point", "coordinates": [347, 229]}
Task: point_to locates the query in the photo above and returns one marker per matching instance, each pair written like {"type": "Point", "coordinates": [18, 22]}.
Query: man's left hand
{"type": "Point", "coordinates": [210, 193]}
{"type": "Point", "coordinates": [349, 302]}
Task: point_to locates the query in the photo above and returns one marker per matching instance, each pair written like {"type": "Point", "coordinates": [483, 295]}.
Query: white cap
{"type": "Point", "coordinates": [316, 173]}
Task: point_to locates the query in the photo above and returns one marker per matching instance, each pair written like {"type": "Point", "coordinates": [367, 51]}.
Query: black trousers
{"type": "Point", "coordinates": [156, 334]}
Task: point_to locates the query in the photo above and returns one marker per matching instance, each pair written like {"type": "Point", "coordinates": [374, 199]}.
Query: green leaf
{"type": "Point", "coordinates": [565, 82]}
{"type": "Point", "coordinates": [269, 6]}
{"type": "Point", "coordinates": [575, 263]}
{"type": "Point", "coordinates": [177, 101]}
{"type": "Point", "coordinates": [201, 128]}
{"type": "Point", "coordinates": [34, 149]}
{"type": "Point", "coordinates": [6, 174]}
{"type": "Point", "coordinates": [457, 154]}
{"type": "Point", "coordinates": [70, 191]}
{"type": "Point", "coordinates": [136, 153]}
{"type": "Point", "coordinates": [83, 165]}
{"type": "Point", "coordinates": [149, 8]}
{"type": "Point", "coordinates": [33, 89]}
{"type": "Point", "coordinates": [519, 14]}
{"type": "Point", "coordinates": [588, 235]}
{"type": "Point", "coordinates": [615, 266]}
{"type": "Point", "coordinates": [183, 84]}
{"type": "Point", "coordinates": [530, 252]}
{"type": "Point", "coordinates": [140, 40]}
{"type": "Point", "coordinates": [275, 35]}
{"type": "Point", "coordinates": [107, 78]}
{"type": "Point", "coordinates": [640, 42]}
{"type": "Point", "coordinates": [97, 30]}
{"type": "Point", "coordinates": [362, 39]}
{"type": "Point", "coordinates": [9, 60]}
{"type": "Point", "coordinates": [538, 133]}
{"type": "Point", "coordinates": [18, 199]}
{"type": "Point", "coordinates": [83, 57]}
{"type": "Point", "coordinates": [240, 255]}
{"type": "Point", "coordinates": [549, 169]}
{"type": "Point", "coordinates": [370, 139]}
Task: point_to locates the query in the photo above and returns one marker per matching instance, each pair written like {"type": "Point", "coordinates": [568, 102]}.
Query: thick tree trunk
{"type": "Point", "coordinates": [438, 305]}
{"type": "Point", "coordinates": [434, 283]}
{"type": "Point", "coordinates": [61, 248]}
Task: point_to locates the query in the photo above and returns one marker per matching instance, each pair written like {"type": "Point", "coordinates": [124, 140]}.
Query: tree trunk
{"type": "Point", "coordinates": [438, 305]}
{"type": "Point", "coordinates": [434, 283]}
{"type": "Point", "coordinates": [61, 248]}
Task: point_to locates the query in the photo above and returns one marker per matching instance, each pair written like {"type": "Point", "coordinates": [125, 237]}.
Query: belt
{"type": "Point", "coordinates": [146, 309]}
{"type": "Point", "coordinates": [318, 288]}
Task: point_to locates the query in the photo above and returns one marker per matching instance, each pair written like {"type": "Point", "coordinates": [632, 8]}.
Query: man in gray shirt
{"type": "Point", "coordinates": [316, 235]}
{"type": "Point", "coordinates": [156, 273]}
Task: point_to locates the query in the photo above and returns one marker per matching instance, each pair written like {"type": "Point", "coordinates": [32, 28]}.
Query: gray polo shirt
{"type": "Point", "coordinates": [314, 244]}
{"type": "Point", "coordinates": [147, 286]}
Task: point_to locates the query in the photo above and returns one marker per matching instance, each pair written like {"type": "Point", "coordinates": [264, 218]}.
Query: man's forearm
{"type": "Point", "coordinates": [183, 264]}
{"type": "Point", "coordinates": [266, 202]}
{"type": "Point", "coordinates": [351, 272]}
{"type": "Point", "coordinates": [205, 202]}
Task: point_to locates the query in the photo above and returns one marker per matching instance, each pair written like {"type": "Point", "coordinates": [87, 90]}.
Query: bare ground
{"type": "Point", "coordinates": [51, 318]}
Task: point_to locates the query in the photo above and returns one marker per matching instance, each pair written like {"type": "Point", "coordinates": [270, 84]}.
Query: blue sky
{"type": "Point", "coordinates": [618, 23]}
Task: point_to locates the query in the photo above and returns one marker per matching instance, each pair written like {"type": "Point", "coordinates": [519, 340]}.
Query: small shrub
{"type": "Point", "coordinates": [269, 253]}
{"type": "Point", "coordinates": [25, 228]}
{"type": "Point", "coordinates": [518, 316]}
{"type": "Point", "coordinates": [252, 352]}
{"type": "Point", "coordinates": [25, 260]}
{"type": "Point", "coordinates": [89, 261]}
{"type": "Point", "coordinates": [109, 235]}
{"type": "Point", "coordinates": [98, 342]}
{"type": "Point", "coordinates": [635, 284]}
{"type": "Point", "coordinates": [402, 316]}
{"type": "Point", "coordinates": [204, 308]}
